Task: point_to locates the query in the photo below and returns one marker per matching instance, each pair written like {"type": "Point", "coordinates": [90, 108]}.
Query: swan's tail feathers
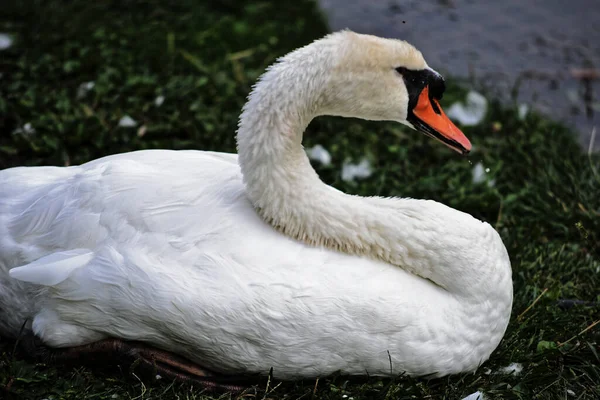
{"type": "Point", "coordinates": [54, 268]}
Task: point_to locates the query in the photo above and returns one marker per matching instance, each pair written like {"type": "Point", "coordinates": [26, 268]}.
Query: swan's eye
{"type": "Point", "coordinates": [412, 76]}
{"type": "Point", "coordinates": [416, 80]}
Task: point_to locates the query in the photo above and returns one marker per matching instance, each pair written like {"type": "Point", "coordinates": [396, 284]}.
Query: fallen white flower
{"type": "Point", "coordinates": [475, 396]}
{"type": "Point", "coordinates": [320, 154]}
{"type": "Point", "coordinates": [84, 88]}
{"type": "Point", "coordinates": [352, 171]}
{"type": "Point", "coordinates": [142, 130]}
{"type": "Point", "coordinates": [513, 368]}
{"type": "Point", "coordinates": [127, 122]}
{"type": "Point", "coordinates": [159, 100]}
{"type": "Point", "coordinates": [523, 111]}
{"type": "Point", "coordinates": [5, 41]}
{"type": "Point", "coordinates": [26, 129]}
{"type": "Point", "coordinates": [478, 173]}
{"type": "Point", "coordinates": [471, 112]}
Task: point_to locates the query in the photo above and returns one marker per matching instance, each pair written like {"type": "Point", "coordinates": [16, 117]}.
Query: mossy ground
{"type": "Point", "coordinates": [202, 59]}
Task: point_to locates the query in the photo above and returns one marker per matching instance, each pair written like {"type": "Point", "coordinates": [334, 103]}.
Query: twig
{"type": "Point", "coordinates": [141, 395]}
{"type": "Point", "coordinates": [167, 389]}
{"type": "Point", "coordinates": [268, 389]}
{"type": "Point", "coordinates": [499, 217]}
{"type": "Point", "coordinates": [580, 333]}
{"type": "Point", "coordinates": [549, 386]}
{"type": "Point", "coordinates": [240, 54]}
{"type": "Point", "coordinates": [274, 388]}
{"type": "Point", "coordinates": [532, 304]}
{"type": "Point", "coordinates": [585, 73]}
{"type": "Point", "coordinates": [315, 389]}
{"type": "Point", "coordinates": [268, 382]}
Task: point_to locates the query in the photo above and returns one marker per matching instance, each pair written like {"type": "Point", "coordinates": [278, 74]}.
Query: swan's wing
{"type": "Point", "coordinates": [49, 210]}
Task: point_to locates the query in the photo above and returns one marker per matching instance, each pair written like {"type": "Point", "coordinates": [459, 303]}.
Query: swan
{"type": "Point", "coordinates": [245, 263]}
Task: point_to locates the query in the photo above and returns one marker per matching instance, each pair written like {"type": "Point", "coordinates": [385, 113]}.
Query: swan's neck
{"type": "Point", "coordinates": [423, 237]}
{"type": "Point", "coordinates": [280, 182]}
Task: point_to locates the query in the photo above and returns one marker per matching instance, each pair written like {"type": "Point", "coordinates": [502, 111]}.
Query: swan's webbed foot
{"type": "Point", "coordinates": [148, 359]}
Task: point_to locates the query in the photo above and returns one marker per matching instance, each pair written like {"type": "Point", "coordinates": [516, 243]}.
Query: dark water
{"type": "Point", "coordinates": [501, 45]}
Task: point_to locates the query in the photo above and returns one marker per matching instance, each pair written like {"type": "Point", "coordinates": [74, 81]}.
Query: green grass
{"type": "Point", "coordinates": [203, 59]}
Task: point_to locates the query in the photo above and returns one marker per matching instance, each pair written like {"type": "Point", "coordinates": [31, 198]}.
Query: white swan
{"type": "Point", "coordinates": [166, 247]}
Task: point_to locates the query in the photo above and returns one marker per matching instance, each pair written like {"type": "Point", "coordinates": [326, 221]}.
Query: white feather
{"type": "Point", "coordinates": [52, 269]}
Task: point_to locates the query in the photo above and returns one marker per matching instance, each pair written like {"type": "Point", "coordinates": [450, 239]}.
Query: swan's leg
{"type": "Point", "coordinates": [159, 362]}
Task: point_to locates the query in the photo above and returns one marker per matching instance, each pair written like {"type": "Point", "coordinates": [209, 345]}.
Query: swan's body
{"type": "Point", "coordinates": [167, 247]}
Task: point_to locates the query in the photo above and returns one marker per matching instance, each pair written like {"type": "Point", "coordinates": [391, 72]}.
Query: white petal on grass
{"type": "Point", "coordinates": [478, 173]}
{"type": "Point", "coordinates": [570, 392]}
{"type": "Point", "coordinates": [84, 88]}
{"type": "Point", "coordinates": [159, 100]}
{"type": "Point", "coordinates": [5, 41]}
{"type": "Point", "coordinates": [352, 171]}
{"type": "Point", "coordinates": [320, 154]}
{"type": "Point", "coordinates": [26, 130]}
{"type": "Point", "coordinates": [514, 369]}
{"type": "Point", "coordinates": [471, 112]}
{"type": "Point", "coordinates": [127, 122]}
{"type": "Point", "coordinates": [523, 110]}
{"type": "Point", "coordinates": [142, 130]}
{"type": "Point", "coordinates": [475, 396]}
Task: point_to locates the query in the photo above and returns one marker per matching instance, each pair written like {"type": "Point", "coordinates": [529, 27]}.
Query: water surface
{"type": "Point", "coordinates": [527, 47]}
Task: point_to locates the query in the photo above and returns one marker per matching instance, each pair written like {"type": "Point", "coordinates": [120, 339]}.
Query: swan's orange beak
{"type": "Point", "coordinates": [435, 123]}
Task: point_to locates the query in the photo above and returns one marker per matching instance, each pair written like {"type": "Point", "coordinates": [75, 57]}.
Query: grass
{"type": "Point", "coordinates": [202, 59]}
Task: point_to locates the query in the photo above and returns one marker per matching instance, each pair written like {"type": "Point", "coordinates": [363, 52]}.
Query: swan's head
{"type": "Point", "coordinates": [386, 79]}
